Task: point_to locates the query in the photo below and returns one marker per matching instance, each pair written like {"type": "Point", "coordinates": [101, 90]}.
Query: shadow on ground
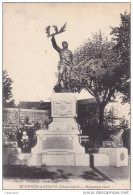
{"type": "Point", "coordinates": [91, 175]}
{"type": "Point", "coordinates": [24, 172]}
{"type": "Point", "coordinates": [53, 173]}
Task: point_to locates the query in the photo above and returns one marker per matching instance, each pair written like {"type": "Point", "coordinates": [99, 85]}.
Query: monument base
{"type": "Point", "coordinates": [49, 159]}
{"type": "Point", "coordinates": [59, 145]}
{"type": "Point", "coordinates": [7, 152]}
{"type": "Point", "coordinates": [118, 157]}
{"type": "Point", "coordinates": [58, 142]}
{"type": "Point", "coordinates": [25, 159]}
{"type": "Point", "coordinates": [100, 160]}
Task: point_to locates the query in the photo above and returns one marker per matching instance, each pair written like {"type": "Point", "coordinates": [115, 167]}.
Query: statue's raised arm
{"type": "Point", "coordinates": [55, 46]}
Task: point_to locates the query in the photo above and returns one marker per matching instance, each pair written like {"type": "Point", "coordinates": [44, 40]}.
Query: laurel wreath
{"type": "Point", "coordinates": [63, 29]}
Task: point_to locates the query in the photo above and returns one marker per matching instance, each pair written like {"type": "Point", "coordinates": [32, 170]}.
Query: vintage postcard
{"type": "Point", "coordinates": [66, 96]}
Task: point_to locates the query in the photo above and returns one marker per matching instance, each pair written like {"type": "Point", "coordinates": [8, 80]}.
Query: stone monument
{"type": "Point", "coordinates": [59, 145]}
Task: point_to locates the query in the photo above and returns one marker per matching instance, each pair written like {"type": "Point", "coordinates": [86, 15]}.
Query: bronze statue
{"type": "Point", "coordinates": [66, 59]}
{"type": "Point", "coordinates": [65, 63]}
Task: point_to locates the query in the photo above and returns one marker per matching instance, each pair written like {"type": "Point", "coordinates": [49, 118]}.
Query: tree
{"type": "Point", "coordinates": [7, 90]}
{"type": "Point", "coordinates": [122, 48]}
{"type": "Point", "coordinates": [96, 71]}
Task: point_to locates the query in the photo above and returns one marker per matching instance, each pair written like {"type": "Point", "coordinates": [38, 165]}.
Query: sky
{"type": "Point", "coordinates": [28, 55]}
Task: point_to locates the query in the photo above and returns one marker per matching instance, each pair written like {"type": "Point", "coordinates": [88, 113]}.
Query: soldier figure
{"type": "Point", "coordinates": [65, 63]}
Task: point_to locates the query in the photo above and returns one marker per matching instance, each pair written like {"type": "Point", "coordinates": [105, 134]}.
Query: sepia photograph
{"type": "Point", "coordinates": [66, 96]}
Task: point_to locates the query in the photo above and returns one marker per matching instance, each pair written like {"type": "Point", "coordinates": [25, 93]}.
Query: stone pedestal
{"type": "Point", "coordinates": [25, 159]}
{"type": "Point", "coordinates": [9, 148]}
{"type": "Point", "coordinates": [117, 156]}
{"type": "Point", "coordinates": [100, 160]}
{"type": "Point", "coordinates": [59, 145]}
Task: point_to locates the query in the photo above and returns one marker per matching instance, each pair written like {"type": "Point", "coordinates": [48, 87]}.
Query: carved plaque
{"type": "Point", "coordinates": [57, 143]}
{"type": "Point", "coordinates": [62, 108]}
{"type": "Point", "coordinates": [63, 105]}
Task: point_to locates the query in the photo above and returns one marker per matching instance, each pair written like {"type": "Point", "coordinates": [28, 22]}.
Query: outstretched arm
{"type": "Point", "coordinates": [55, 46]}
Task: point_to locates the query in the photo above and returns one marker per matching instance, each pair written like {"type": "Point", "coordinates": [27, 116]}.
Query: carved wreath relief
{"type": "Point", "coordinates": [63, 108]}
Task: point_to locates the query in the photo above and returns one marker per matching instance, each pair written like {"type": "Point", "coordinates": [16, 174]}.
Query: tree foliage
{"type": "Point", "coordinates": [103, 67]}
{"type": "Point", "coordinates": [7, 90]}
{"type": "Point", "coordinates": [122, 48]}
{"type": "Point", "coordinates": [96, 71]}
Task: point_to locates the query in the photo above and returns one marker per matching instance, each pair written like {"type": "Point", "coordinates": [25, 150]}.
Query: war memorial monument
{"type": "Point", "coordinates": [59, 145]}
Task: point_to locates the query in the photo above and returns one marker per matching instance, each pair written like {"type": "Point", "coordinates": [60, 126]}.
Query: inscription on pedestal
{"type": "Point", "coordinates": [57, 143]}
